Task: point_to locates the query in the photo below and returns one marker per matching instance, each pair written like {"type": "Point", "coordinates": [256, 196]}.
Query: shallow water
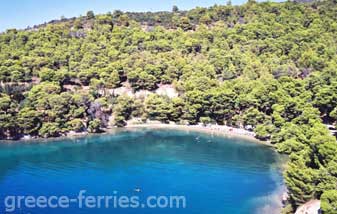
{"type": "Point", "coordinates": [215, 174]}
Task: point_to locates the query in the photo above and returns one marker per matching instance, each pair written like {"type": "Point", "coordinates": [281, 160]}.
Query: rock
{"type": "Point", "coordinates": [26, 137]}
{"type": "Point", "coordinates": [142, 93]}
{"type": "Point", "coordinates": [285, 198]}
{"type": "Point", "coordinates": [311, 207]}
{"type": "Point", "coordinates": [167, 90]}
{"type": "Point", "coordinates": [73, 133]}
{"type": "Point", "coordinates": [121, 91]}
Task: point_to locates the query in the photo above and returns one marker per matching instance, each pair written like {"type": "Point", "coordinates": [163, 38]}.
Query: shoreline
{"type": "Point", "coordinates": [219, 130]}
{"type": "Point", "coordinates": [224, 131]}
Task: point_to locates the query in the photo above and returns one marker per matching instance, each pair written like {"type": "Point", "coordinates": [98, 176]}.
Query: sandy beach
{"type": "Point", "coordinates": [225, 131]}
{"type": "Point", "coordinates": [220, 130]}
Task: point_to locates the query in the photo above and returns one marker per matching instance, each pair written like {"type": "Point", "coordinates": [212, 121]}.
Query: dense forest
{"type": "Point", "coordinates": [268, 66]}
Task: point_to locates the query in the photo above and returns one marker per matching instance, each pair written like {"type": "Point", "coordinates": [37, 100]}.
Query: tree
{"type": "Point", "coordinates": [123, 110]}
{"type": "Point", "coordinates": [158, 108]}
{"type": "Point", "coordinates": [124, 20]}
{"type": "Point", "coordinates": [29, 120]}
{"type": "Point", "coordinates": [142, 80]}
{"type": "Point", "coordinates": [329, 201]}
{"type": "Point", "coordinates": [206, 19]}
{"type": "Point", "coordinates": [75, 125]}
{"type": "Point", "coordinates": [49, 130]}
{"type": "Point", "coordinates": [90, 14]}
{"type": "Point", "coordinates": [175, 9]}
{"type": "Point", "coordinates": [95, 126]}
{"type": "Point", "coordinates": [8, 124]}
{"type": "Point", "coordinates": [300, 181]}
{"type": "Point", "coordinates": [178, 108]}
{"type": "Point", "coordinates": [185, 24]}
{"type": "Point", "coordinates": [264, 131]}
{"type": "Point", "coordinates": [333, 113]}
{"type": "Point", "coordinates": [111, 80]}
{"type": "Point", "coordinates": [253, 117]}
{"type": "Point", "coordinates": [205, 120]}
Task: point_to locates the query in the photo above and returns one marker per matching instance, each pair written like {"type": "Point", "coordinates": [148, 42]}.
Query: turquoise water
{"type": "Point", "coordinates": [215, 174]}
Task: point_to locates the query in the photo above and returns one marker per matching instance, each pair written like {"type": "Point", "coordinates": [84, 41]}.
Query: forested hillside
{"type": "Point", "coordinates": [269, 66]}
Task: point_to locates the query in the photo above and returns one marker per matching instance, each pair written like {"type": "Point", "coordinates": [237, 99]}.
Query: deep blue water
{"type": "Point", "coordinates": [215, 174]}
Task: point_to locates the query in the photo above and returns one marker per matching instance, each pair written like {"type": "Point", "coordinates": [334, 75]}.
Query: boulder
{"type": "Point", "coordinates": [311, 207]}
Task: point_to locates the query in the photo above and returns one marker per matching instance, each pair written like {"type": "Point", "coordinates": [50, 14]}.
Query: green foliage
{"type": "Point", "coordinates": [264, 131]}
{"type": "Point", "coordinates": [123, 110]}
{"type": "Point", "coordinates": [205, 120]}
{"type": "Point", "coordinates": [253, 117]}
{"type": "Point", "coordinates": [95, 126]}
{"type": "Point", "coordinates": [300, 181]}
{"type": "Point", "coordinates": [158, 108]}
{"type": "Point", "coordinates": [29, 120]}
{"type": "Point", "coordinates": [329, 202]}
{"type": "Point", "coordinates": [90, 14]}
{"type": "Point", "coordinates": [49, 130]}
{"type": "Point", "coordinates": [184, 23]}
{"type": "Point", "coordinates": [333, 113]}
{"type": "Point", "coordinates": [8, 124]}
{"type": "Point", "coordinates": [75, 125]}
{"type": "Point", "coordinates": [175, 9]}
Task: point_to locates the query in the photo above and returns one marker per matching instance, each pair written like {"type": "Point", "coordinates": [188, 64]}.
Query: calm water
{"type": "Point", "coordinates": [217, 175]}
